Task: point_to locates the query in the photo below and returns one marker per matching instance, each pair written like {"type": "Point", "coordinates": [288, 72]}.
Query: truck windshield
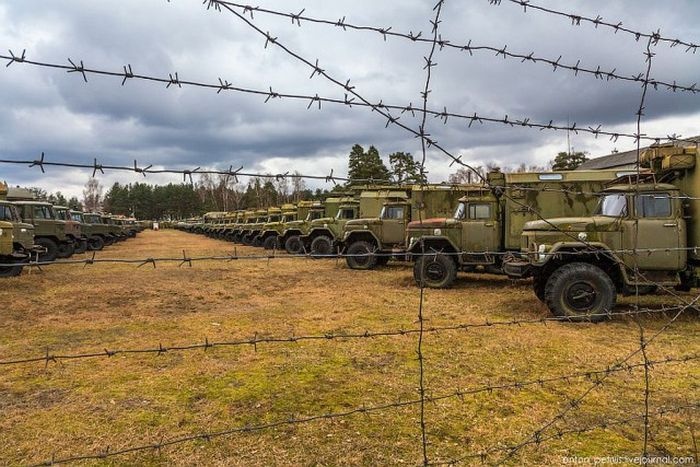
{"type": "Point", "coordinates": [288, 218]}
{"type": "Point", "coordinates": [612, 205]}
{"type": "Point", "coordinates": [77, 217]}
{"type": "Point", "coordinates": [345, 213]}
{"type": "Point", "coordinates": [7, 214]}
{"type": "Point", "coordinates": [460, 211]}
{"type": "Point", "coordinates": [274, 218]}
{"type": "Point", "coordinates": [43, 212]}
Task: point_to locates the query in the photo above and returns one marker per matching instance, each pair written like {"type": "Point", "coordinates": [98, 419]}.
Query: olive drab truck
{"type": "Point", "coordinates": [323, 233]}
{"type": "Point", "coordinates": [644, 233]}
{"type": "Point", "coordinates": [488, 221]}
{"type": "Point", "coordinates": [99, 234]}
{"type": "Point", "coordinates": [248, 217]}
{"type": "Point", "coordinates": [270, 234]}
{"type": "Point", "coordinates": [89, 231]}
{"type": "Point", "coordinates": [49, 232]}
{"type": "Point", "coordinates": [371, 242]}
{"type": "Point", "coordinates": [74, 229]}
{"type": "Point", "coordinates": [16, 238]}
{"type": "Point", "coordinates": [251, 230]}
{"type": "Point", "coordinates": [307, 211]}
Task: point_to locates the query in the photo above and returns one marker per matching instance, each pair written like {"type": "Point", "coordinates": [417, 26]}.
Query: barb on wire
{"type": "Point", "coordinates": [598, 22]}
{"type": "Point", "coordinates": [471, 118]}
{"type": "Point", "coordinates": [596, 72]}
{"type": "Point", "coordinates": [330, 335]}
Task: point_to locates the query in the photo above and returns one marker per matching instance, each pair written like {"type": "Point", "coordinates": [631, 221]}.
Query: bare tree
{"type": "Point", "coordinates": [92, 195]}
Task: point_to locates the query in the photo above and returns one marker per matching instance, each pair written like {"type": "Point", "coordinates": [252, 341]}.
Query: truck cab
{"type": "Point", "coordinates": [307, 211]}
{"type": "Point", "coordinates": [271, 231]}
{"type": "Point", "coordinates": [325, 233]}
{"type": "Point", "coordinates": [73, 229]}
{"type": "Point", "coordinates": [49, 231]}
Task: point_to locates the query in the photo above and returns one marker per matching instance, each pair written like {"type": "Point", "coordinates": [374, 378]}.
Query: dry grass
{"type": "Point", "coordinates": [80, 407]}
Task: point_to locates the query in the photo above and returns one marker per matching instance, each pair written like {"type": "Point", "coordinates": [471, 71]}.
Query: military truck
{"type": "Point", "coordinates": [98, 232]}
{"type": "Point", "coordinates": [88, 231]}
{"type": "Point", "coordinates": [373, 241]}
{"type": "Point", "coordinates": [250, 230]}
{"type": "Point", "coordinates": [488, 221]}
{"type": "Point", "coordinates": [290, 238]}
{"type": "Point", "coordinates": [644, 233]}
{"type": "Point", "coordinates": [16, 238]}
{"type": "Point", "coordinates": [325, 234]}
{"type": "Point", "coordinates": [271, 231]}
{"type": "Point", "coordinates": [74, 229]}
{"type": "Point", "coordinates": [115, 230]}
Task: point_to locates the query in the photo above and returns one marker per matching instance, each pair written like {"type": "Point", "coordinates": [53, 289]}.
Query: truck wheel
{"type": "Point", "coordinates": [81, 247]}
{"type": "Point", "coordinates": [538, 285]}
{"type": "Point", "coordinates": [434, 271]}
{"type": "Point", "coordinates": [109, 240]}
{"type": "Point", "coordinates": [51, 249]}
{"type": "Point", "coordinates": [293, 245]}
{"type": "Point", "coordinates": [580, 292]}
{"type": "Point", "coordinates": [270, 243]}
{"type": "Point", "coordinates": [321, 246]}
{"type": "Point", "coordinates": [361, 256]}
{"type": "Point", "coordinates": [9, 271]}
{"type": "Point", "coordinates": [95, 243]}
{"type": "Point", "coordinates": [65, 249]}
{"type": "Point", "coordinates": [257, 242]}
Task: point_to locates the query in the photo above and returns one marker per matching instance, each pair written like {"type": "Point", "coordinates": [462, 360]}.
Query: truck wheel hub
{"type": "Point", "coordinates": [581, 295]}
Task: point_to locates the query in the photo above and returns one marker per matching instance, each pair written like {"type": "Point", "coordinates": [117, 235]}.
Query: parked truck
{"type": "Point", "coordinates": [371, 242]}
{"type": "Point", "coordinates": [488, 221]}
{"type": "Point", "coordinates": [307, 211]}
{"type": "Point", "coordinates": [74, 229]}
{"type": "Point", "coordinates": [271, 231]}
{"type": "Point", "coordinates": [16, 238]}
{"type": "Point", "coordinates": [644, 233]}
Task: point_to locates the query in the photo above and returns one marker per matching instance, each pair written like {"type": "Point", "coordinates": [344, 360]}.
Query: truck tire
{"type": "Point", "coordinates": [434, 271]}
{"type": "Point", "coordinates": [9, 271]}
{"type": "Point", "coordinates": [321, 246]}
{"type": "Point", "coordinates": [81, 246]}
{"type": "Point", "coordinates": [538, 285]}
{"type": "Point", "coordinates": [66, 249]}
{"type": "Point", "coordinates": [580, 292]}
{"type": "Point", "coordinates": [257, 241]}
{"type": "Point", "coordinates": [270, 243]}
{"type": "Point", "coordinates": [361, 256]}
{"type": "Point", "coordinates": [109, 240]}
{"type": "Point", "coordinates": [51, 249]}
{"type": "Point", "coordinates": [293, 245]}
{"type": "Point", "coordinates": [95, 243]}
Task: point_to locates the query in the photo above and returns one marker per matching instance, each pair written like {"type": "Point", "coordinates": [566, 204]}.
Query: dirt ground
{"type": "Point", "coordinates": [104, 404]}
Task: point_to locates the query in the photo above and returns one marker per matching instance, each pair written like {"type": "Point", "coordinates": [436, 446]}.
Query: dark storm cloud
{"type": "Point", "coordinates": [49, 110]}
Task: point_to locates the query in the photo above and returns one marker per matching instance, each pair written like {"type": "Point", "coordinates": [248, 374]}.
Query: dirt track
{"type": "Point", "coordinates": [76, 407]}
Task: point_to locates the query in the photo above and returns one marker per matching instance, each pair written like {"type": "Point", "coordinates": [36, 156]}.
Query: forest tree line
{"type": "Point", "coordinates": [227, 193]}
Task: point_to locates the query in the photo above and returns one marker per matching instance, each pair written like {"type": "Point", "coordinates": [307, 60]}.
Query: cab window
{"type": "Point", "coordinates": [653, 205]}
{"type": "Point", "coordinates": [479, 211]}
{"type": "Point", "coordinates": [42, 212]}
{"type": "Point", "coordinates": [346, 213]}
{"type": "Point", "coordinates": [313, 215]}
{"type": "Point", "coordinates": [6, 214]}
{"type": "Point", "coordinates": [393, 212]}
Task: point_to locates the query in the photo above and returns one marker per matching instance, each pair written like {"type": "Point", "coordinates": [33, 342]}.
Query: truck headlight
{"type": "Point", "coordinates": [542, 252]}
{"type": "Point", "coordinates": [411, 241]}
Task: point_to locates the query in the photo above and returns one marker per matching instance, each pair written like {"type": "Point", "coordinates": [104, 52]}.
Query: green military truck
{"type": "Point", "coordinates": [115, 230]}
{"type": "Point", "coordinates": [643, 234]}
{"type": "Point", "coordinates": [270, 233]}
{"type": "Point", "coordinates": [16, 238]}
{"type": "Point", "coordinates": [373, 241]}
{"type": "Point", "coordinates": [98, 232]}
{"type": "Point", "coordinates": [290, 238]}
{"type": "Point", "coordinates": [89, 231]}
{"type": "Point", "coordinates": [488, 221]}
{"type": "Point", "coordinates": [323, 233]}
{"type": "Point", "coordinates": [252, 229]}
{"type": "Point", "coordinates": [74, 229]}
{"type": "Point", "coordinates": [235, 233]}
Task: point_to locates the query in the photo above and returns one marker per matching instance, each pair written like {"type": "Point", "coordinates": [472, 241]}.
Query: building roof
{"type": "Point", "coordinates": [623, 160]}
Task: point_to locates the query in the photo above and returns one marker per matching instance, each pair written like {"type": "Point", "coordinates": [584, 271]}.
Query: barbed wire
{"type": "Point", "coordinates": [560, 433]}
{"type": "Point", "coordinates": [577, 19]}
{"type": "Point", "coordinates": [260, 339]}
{"type": "Point", "coordinates": [223, 85]}
{"type": "Point", "coordinates": [469, 47]}
{"type": "Point", "coordinates": [207, 436]}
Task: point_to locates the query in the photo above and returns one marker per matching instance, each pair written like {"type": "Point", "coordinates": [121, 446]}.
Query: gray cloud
{"type": "Point", "coordinates": [51, 111]}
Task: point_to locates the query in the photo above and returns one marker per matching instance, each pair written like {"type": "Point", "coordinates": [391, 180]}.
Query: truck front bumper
{"type": "Point", "coordinates": [517, 268]}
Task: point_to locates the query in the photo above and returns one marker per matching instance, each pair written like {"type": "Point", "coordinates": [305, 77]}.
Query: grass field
{"type": "Point", "coordinates": [75, 407]}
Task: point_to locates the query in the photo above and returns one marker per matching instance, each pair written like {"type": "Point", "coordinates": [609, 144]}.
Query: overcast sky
{"type": "Point", "coordinates": [70, 120]}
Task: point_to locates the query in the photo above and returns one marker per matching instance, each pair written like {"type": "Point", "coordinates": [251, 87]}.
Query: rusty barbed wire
{"type": "Point", "coordinates": [560, 433]}
{"type": "Point", "coordinates": [157, 446]}
{"type": "Point", "coordinates": [223, 85]}
{"type": "Point", "coordinates": [469, 47]}
{"type": "Point", "coordinates": [576, 20]}
{"type": "Point", "coordinates": [259, 338]}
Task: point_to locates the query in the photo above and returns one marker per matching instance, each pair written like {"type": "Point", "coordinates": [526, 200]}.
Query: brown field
{"type": "Point", "coordinates": [76, 407]}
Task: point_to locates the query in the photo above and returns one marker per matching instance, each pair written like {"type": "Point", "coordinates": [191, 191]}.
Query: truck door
{"type": "Point", "coordinates": [480, 229]}
{"type": "Point", "coordinates": [656, 226]}
{"type": "Point", "coordinates": [394, 220]}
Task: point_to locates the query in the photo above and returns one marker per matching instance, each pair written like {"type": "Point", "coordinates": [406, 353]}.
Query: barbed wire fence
{"type": "Point", "coordinates": [352, 97]}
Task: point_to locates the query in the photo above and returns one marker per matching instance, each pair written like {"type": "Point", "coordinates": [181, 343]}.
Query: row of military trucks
{"type": "Point", "coordinates": [31, 229]}
{"type": "Point", "coordinates": [442, 229]}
